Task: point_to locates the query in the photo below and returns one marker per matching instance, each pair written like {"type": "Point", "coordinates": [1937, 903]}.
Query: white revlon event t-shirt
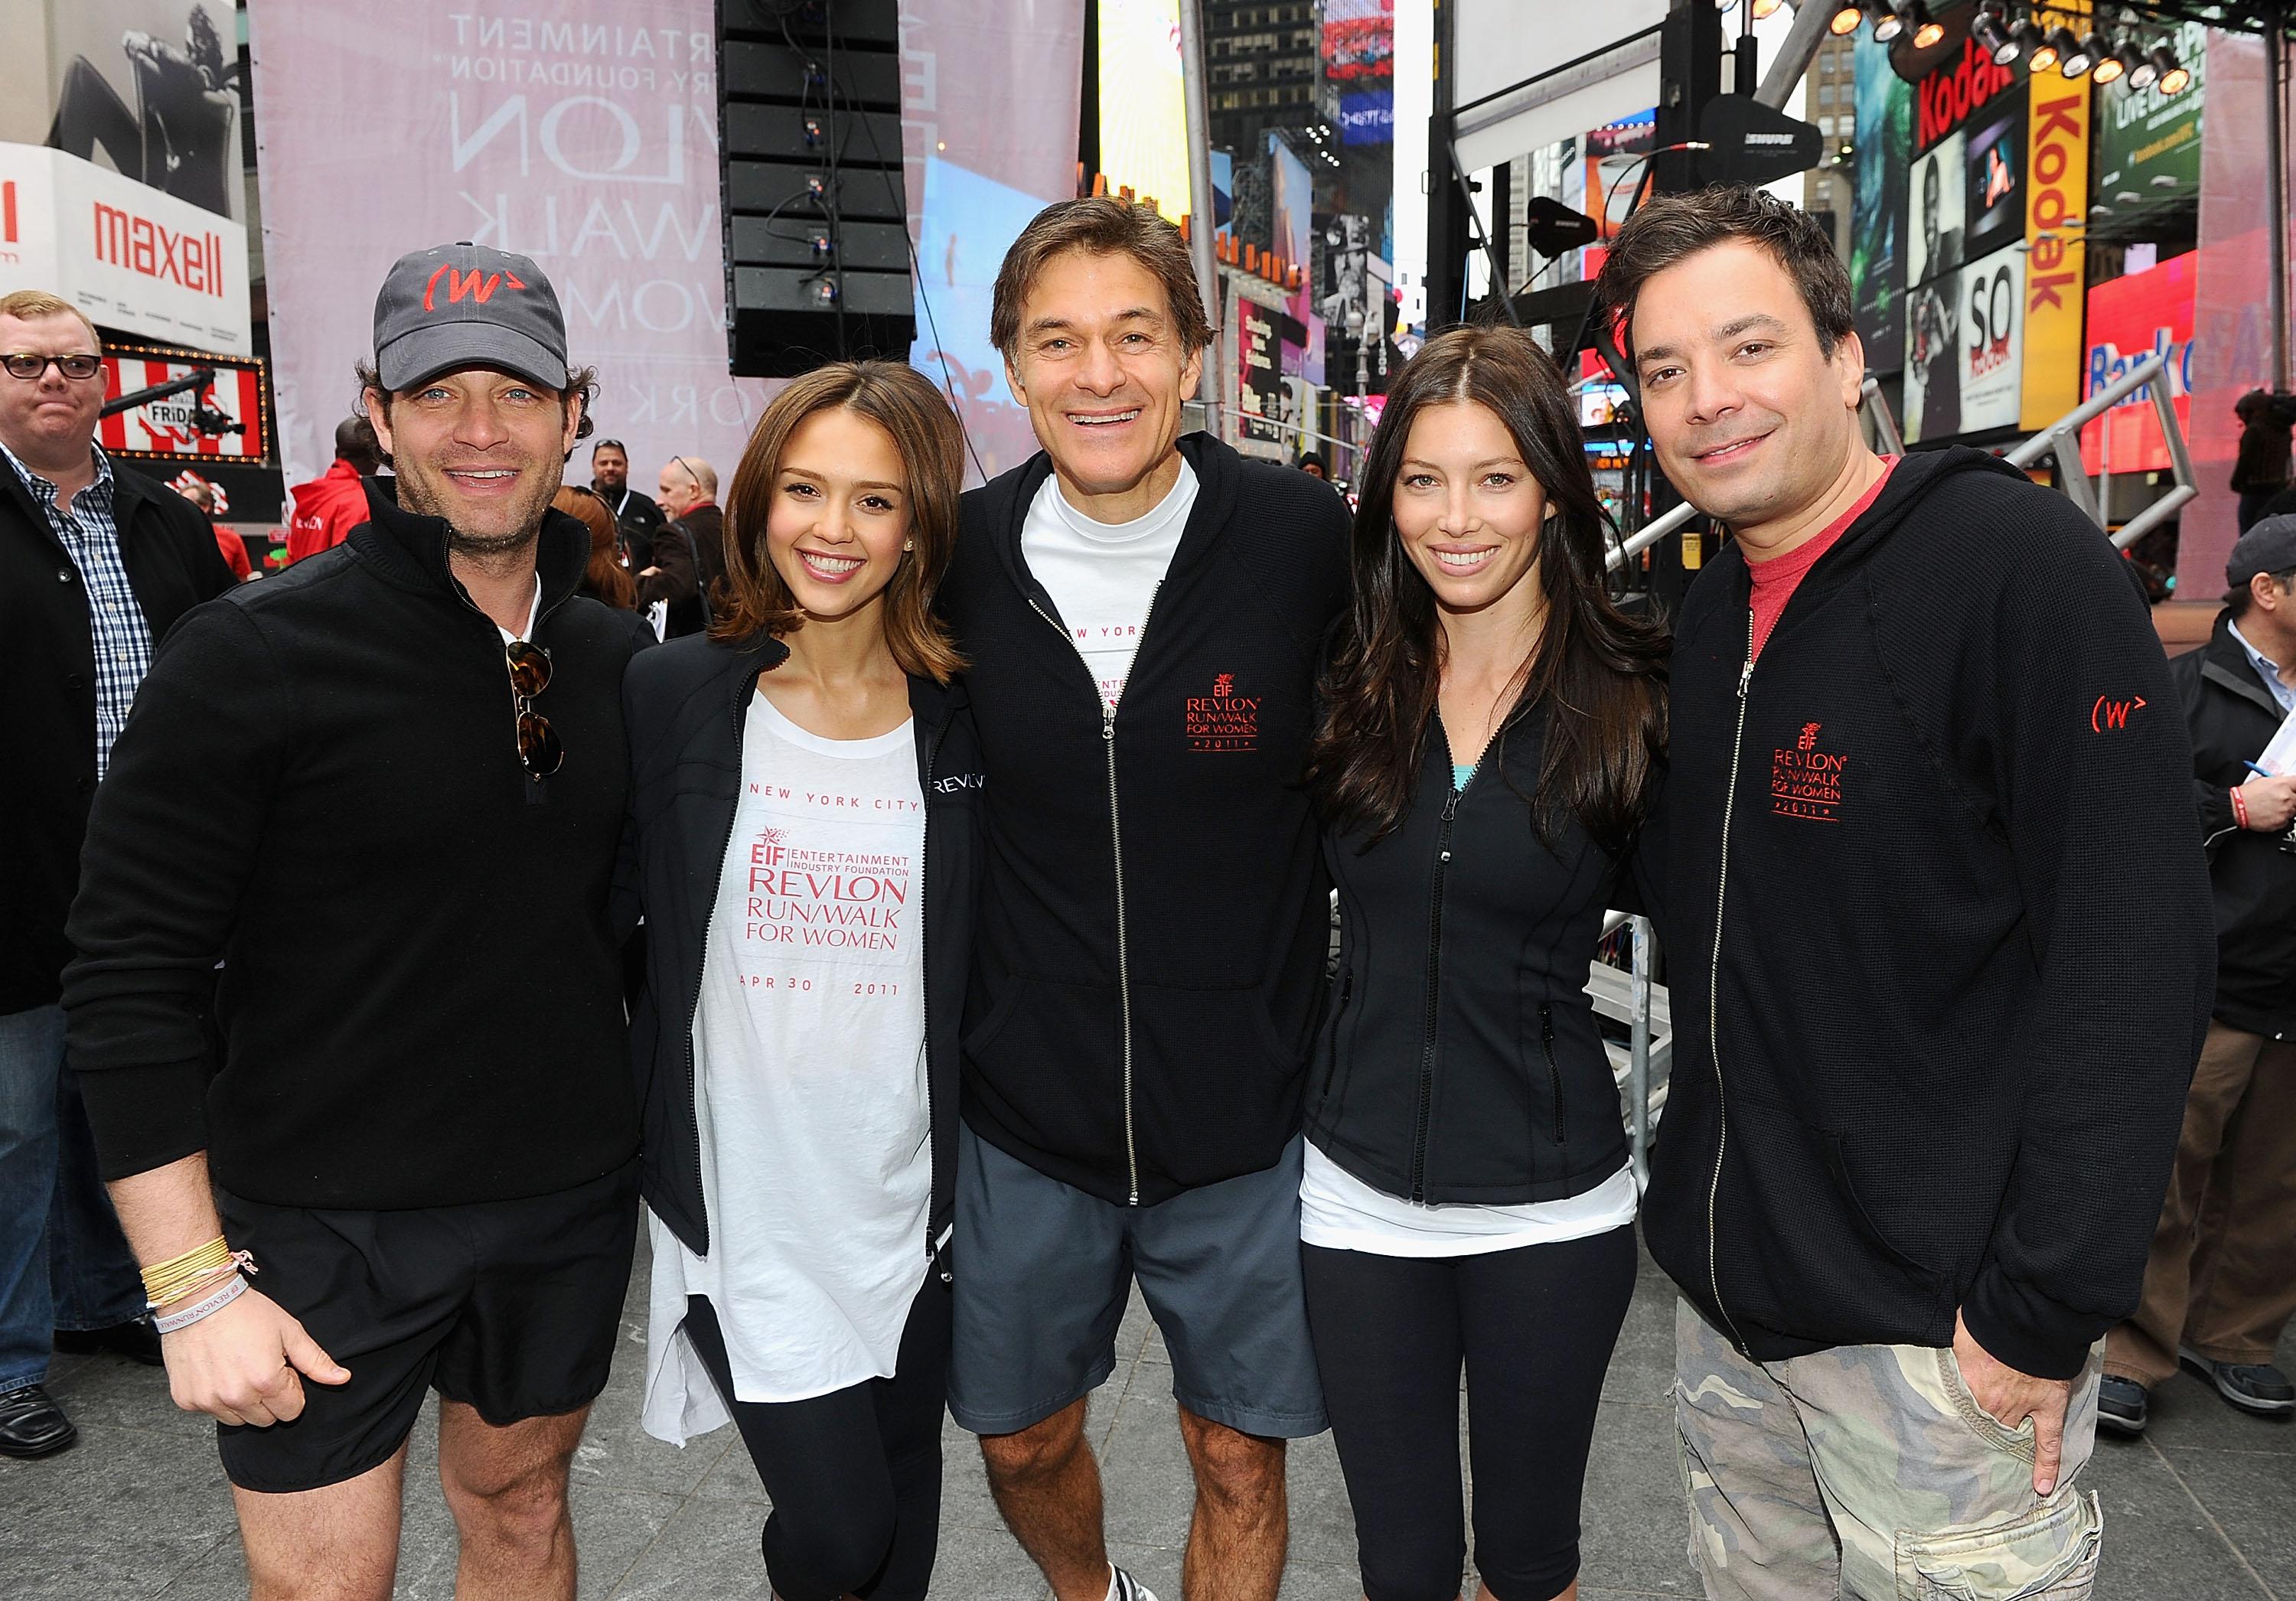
{"type": "Point", "coordinates": [1103, 575]}
{"type": "Point", "coordinates": [810, 1083]}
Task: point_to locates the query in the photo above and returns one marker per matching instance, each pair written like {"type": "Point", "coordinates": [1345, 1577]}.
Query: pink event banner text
{"type": "Point", "coordinates": [582, 133]}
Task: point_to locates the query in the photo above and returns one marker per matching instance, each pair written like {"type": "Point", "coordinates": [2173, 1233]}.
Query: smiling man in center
{"type": "Point", "coordinates": [1142, 615]}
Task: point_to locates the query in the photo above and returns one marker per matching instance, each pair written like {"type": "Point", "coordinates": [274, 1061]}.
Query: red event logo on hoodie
{"type": "Point", "coordinates": [1222, 720]}
{"type": "Point", "coordinates": [1805, 782]}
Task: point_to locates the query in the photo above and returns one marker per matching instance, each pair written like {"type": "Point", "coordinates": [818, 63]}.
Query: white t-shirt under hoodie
{"type": "Point", "coordinates": [1102, 576]}
{"type": "Point", "coordinates": [810, 1083]}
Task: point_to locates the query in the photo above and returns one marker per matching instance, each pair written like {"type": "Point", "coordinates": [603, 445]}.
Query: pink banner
{"type": "Point", "coordinates": [582, 133]}
{"type": "Point", "coordinates": [2231, 340]}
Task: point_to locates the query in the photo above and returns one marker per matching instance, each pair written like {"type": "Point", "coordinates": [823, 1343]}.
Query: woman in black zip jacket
{"type": "Point", "coordinates": [1493, 739]}
{"type": "Point", "coordinates": [804, 792]}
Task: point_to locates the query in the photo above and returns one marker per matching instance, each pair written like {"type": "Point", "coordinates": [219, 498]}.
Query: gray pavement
{"type": "Point", "coordinates": [2202, 1509]}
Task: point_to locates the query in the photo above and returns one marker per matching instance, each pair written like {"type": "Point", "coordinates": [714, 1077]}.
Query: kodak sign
{"type": "Point", "coordinates": [2056, 190]}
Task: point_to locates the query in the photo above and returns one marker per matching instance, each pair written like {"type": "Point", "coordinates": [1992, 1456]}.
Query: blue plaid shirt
{"type": "Point", "coordinates": [123, 639]}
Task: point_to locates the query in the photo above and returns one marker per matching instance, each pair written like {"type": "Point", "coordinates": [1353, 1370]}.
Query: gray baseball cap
{"type": "Point", "coordinates": [2269, 546]}
{"type": "Point", "coordinates": [466, 306]}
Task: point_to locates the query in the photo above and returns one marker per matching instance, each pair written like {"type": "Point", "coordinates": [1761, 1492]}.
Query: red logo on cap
{"type": "Point", "coordinates": [478, 286]}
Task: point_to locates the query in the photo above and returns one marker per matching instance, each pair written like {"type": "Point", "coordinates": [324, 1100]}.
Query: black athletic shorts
{"type": "Point", "coordinates": [511, 1306]}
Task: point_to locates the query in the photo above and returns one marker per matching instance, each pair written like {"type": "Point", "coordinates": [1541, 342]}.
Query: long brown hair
{"type": "Point", "coordinates": [1600, 673]}
{"type": "Point", "coordinates": [603, 578]}
{"type": "Point", "coordinates": [904, 403]}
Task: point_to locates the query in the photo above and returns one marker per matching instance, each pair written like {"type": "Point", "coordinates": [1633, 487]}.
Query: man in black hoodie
{"type": "Point", "coordinates": [384, 794]}
{"type": "Point", "coordinates": [1143, 616]}
{"type": "Point", "coordinates": [1942, 952]}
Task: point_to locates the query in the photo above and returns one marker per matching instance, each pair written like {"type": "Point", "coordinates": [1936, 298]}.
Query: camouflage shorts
{"type": "Point", "coordinates": [1869, 1471]}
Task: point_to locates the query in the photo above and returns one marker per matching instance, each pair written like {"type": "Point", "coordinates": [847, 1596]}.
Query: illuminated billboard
{"type": "Point", "coordinates": [1144, 126]}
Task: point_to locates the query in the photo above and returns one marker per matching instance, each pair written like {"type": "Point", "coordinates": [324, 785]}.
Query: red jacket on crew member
{"type": "Point", "coordinates": [326, 510]}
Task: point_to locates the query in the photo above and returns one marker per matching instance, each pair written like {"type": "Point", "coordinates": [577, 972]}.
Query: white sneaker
{"type": "Point", "coordinates": [1123, 1587]}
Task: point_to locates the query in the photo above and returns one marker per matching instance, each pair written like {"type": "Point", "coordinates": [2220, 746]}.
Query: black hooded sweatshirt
{"type": "Point", "coordinates": [421, 996]}
{"type": "Point", "coordinates": [1155, 914]}
{"type": "Point", "coordinates": [1939, 934]}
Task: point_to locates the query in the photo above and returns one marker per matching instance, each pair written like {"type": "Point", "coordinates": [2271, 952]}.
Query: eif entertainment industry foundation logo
{"type": "Point", "coordinates": [1222, 720]}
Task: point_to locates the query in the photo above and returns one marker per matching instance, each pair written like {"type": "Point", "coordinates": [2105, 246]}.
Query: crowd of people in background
{"type": "Point", "coordinates": [984, 845]}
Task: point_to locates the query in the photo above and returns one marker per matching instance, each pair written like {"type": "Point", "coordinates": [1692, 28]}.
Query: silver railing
{"type": "Point", "coordinates": [2060, 442]}
{"type": "Point", "coordinates": [1627, 995]}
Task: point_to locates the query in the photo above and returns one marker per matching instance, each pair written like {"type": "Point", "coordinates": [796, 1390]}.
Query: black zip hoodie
{"type": "Point", "coordinates": [420, 1000]}
{"type": "Point", "coordinates": [1940, 939]}
{"type": "Point", "coordinates": [1461, 1060]}
{"type": "Point", "coordinates": [1155, 916]}
{"type": "Point", "coordinates": [688, 704]}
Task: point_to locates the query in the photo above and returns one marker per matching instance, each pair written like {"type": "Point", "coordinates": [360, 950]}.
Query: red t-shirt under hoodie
{"type": "Point", "coordinates": [1775, 580]}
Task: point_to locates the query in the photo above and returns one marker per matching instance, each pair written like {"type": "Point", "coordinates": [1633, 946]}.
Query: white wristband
{"type": "Point", "coordinates": [207, 1308]}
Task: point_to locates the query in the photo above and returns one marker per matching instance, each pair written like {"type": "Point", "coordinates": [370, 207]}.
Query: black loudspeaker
{"type": "Point", "coordinates": [816, 206]}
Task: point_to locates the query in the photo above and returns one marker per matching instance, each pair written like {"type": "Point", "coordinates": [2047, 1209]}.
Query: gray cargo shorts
{"type": "Point", "coordinates": [1870, 1472]}
{"type": "Point", "coordinates": [1043, 1270]}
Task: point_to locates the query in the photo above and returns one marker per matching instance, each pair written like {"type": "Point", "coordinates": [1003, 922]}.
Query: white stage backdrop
{"type": "Point", "coordinates": [584, 134]}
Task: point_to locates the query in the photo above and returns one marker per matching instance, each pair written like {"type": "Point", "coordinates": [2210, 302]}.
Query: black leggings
{"type": "Point", "coordinates": [1535, 1327]}
{"type": "Point", "coordinates": [854, 1475]}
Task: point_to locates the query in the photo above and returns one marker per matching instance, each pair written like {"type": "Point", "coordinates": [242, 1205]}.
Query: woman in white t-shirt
{"type": "Point", "coordinates": [1493, 738]}
{"type": "Point", "coordinates": [807, 839]}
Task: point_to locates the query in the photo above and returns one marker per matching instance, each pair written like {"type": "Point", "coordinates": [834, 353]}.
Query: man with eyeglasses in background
{"type": "Point", "coordinates": [96, 564]}
{"type": "Point", "coordinates": [689, 553]}
{"type": "Point", "coordinates": [635, 515]}
{"type": "Point", "coordinates": [385, 791]}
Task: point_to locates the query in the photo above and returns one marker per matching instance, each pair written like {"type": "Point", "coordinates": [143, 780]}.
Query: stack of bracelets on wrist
{"type": "Point", "coordinates": [211, 1273]}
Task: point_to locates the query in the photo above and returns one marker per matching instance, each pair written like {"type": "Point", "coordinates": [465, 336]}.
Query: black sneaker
{"type": "Point", "coordinates": [2120, 1404]}
{"type": "Point", "coordinates": [2258, 1387]}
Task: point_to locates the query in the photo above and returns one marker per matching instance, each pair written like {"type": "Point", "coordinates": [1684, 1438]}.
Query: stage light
{"type": "Point", "coordinates": [2138, 68]}
{"type": "Point", "coordinates": [2176, 77]}
{"type": "Point", "coordinates": [2109, 64]}
{"type": "Point", "coordinates": [1927, 29]}
{"type": "Point", "coordinates": [1994, 39]}
{"type": "Point", "coordinates": [2056, 49]}
{"type": "Point", "coordinates": [2073, 57]}
{"type": "Point", "coordinates": [2096, 50]}
{"type": "Point", "coordinates": [2025, 38]}
{"type": "Point", "coordinates": [1845, 18]}
{"type": "Point", "coordinates": [1767, 8]}
{"type": "Point", "coordinates": [1887, 23]}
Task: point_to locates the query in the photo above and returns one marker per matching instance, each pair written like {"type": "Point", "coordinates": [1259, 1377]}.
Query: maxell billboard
{"type": "Point", "coordinates": [132, 257]}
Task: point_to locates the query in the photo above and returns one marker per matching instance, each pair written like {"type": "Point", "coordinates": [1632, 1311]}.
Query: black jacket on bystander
{"type": "Point", "coordinates": [47, 660]}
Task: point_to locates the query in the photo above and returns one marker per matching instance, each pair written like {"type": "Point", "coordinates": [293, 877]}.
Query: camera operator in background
{"type": "Point", "coordinates": [2220, 1282]}
{"type": "Point", "coordinates": [2260, 473]}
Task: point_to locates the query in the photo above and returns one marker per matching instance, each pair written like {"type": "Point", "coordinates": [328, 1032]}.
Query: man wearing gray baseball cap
{"type": "Point", "coordinates": [347, 1004]}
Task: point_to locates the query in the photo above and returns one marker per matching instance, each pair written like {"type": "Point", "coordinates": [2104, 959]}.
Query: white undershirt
{"type": "Point", "coordinates": [1339, 1211]}
{"type": "Point", "coordinates": [533, 609]}
{"type": "Point", "coordinates": [810, 1083]}
{"type": "Point", "coordinates": [1102, 576]}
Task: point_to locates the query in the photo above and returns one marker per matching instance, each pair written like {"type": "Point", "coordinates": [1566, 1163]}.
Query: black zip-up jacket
{"type": "Point", "coordinates": [2232, 718]}
{"type": "Point", "coordinates": [420, 1000]}
{"type": "Point", "coordinates": [1462, 1062]}
{"type": "Point", "coordinates": [1155, 917]}
{"type": "Point", "coordinates": [1939, 934]}
{"type": "Point", "coordinates": [687, 703]}
{"type": "Point", "coordinates": [47, 662]}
